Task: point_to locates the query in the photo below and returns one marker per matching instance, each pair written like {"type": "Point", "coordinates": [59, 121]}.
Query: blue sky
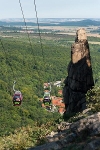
{"type": "Point", "coordinates": [50, 8]}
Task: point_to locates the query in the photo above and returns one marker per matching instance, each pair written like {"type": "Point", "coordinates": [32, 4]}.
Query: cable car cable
{"type": "Point", "coordinates": [38, 72]}
{"type": "Point", "coordinates": [17, 97]}
{"type": "Point", "coordinates": [27, 29]}
{"type": "Point", "coordinates": [6, 57]}
{"type": "Point", "coordinates": [29, 35]}
{"type": "Point", "coordinates": [39, 29]}
{"type": "Point", "coordinates": [45, 99]}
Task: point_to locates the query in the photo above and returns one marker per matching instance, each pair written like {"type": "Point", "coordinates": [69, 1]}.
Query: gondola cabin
{"type": "Point", "coordinates": [17, 98]}
{"type": "Point", "coordinates": [46, 98]}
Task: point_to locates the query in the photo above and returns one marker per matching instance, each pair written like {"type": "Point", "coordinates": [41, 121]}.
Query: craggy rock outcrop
{"type": "Point", "coordinates": [93, 145]}
{"type": "Point", "coordinates": [83, 129]}
{"type": "Point", "coordinates": [80, 77]}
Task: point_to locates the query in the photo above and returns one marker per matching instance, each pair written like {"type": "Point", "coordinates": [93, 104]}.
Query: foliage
{"type": "Point", "coordinates": [93, 99]}
{"type": "Point", "coordinates": [31, 66]}
{"type": "Point", "coordinates": [25, 137]}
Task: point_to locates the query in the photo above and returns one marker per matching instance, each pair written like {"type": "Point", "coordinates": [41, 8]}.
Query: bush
{"type": "Point", "coordinates": [93, 99]}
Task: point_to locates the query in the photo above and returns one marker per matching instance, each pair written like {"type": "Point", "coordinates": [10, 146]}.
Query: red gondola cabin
{"type": "Point", "coordinates": [17, 98]}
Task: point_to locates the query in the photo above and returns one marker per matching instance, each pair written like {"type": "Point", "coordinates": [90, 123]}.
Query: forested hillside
{"type": "Point", "coordinates": [30, 66]}
{"type": "Point", "coordinates": [32, 62]}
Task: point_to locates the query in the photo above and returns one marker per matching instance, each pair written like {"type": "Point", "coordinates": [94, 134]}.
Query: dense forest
{"type": "Point", "coordinates": [31, 61]}
{"type": "Point", "coordinates": [31, 66]}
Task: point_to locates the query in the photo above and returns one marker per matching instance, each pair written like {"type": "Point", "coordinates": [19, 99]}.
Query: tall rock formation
{"type": "Point", "coordinates": [80, 77]}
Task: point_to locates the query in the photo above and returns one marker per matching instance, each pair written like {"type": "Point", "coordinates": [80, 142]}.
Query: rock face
{"type": "Point", "coordinates": [80, 77]}
{"type": "Point", "coordinates": [83, 129]}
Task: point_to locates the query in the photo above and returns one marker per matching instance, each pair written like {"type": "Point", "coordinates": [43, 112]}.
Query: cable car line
{"type": "Point", "coordinates": [6, 57]}
{"type": "Point", "coordinates": [29, 34]}
{"type": "Point", "coordinates": [17, 97]}
{"type": "Point", "coordinates": [46, 97]}
{"type": "Point", "coordinates": [38, 28]}
{"type": "Point", "coordinates": [14, 99]}
{"type": "Point", "coordinates": [30, 39]}
{"type": "Point", "coordinates": [26, 28]}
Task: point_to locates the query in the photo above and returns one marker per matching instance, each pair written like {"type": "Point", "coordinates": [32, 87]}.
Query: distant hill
{"type": "Point", "coordinates": [86, 22]}
{"type": "Point", "coordinates": [51, 22]}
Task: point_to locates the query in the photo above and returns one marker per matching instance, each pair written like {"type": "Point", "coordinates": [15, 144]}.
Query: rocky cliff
{"type": "Point", "coordinates": [83, 134]}
{"type": "Point", "coordinates": [80, 77]}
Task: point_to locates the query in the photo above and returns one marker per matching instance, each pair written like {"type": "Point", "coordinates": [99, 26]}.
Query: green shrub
{"type": "Point", "coordinates": [93, 99]}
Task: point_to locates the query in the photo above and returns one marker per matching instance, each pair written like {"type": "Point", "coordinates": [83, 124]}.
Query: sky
{"type": "Point", "coordinates": [50, 8]}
